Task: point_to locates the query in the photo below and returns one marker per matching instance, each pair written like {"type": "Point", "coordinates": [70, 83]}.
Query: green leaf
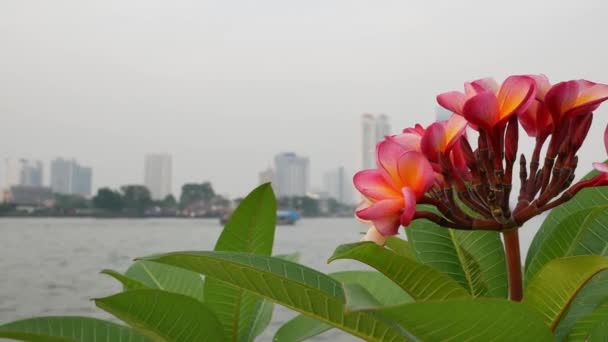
{"type": "Point", "coordinates": [482, 319]}
{"type": "Point", "coordinates": [300, 328]}
{"type": "Point", "coordinates": [358, 298]}
{"type": "Point", "coordinates": [421, 282]}
{"type": "Point", "coordinates": [592, 327]}
{"type": "Point", "coordinates": [292, 285]}
{"type": "Point", "coordinates": [164, 316]}
{"type": "Point", "coordinates": [586, 199]}
{"type": "Point", "coordinates": [262, 319]}
{"type": "Point", "coordinates": [475, 259]}
{"type": "Point", "coordinates": [584, 232]}
{"type": "Point", "coordinates": [168, 278]}
{"type": "Point", "coordinates": [400, 246]}
{"type": "Point", "coordinates": [68, 329]}
{"type": "Point", "coordinates": [556, 285]}
{"type": "Point", "coordinates": [588, 299]}
{"type": "Point", "coordinates": [251, 230]}
{"type": "Point", "coordinates": [127, 283]}
{"type": "Point", "coordinates": [384, 291]}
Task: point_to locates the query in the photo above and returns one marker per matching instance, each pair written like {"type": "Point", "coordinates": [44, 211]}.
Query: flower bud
{"type": "Point", "coordinates": [581, 125]}
{"type": "Point", "coordinates": [512, 140]}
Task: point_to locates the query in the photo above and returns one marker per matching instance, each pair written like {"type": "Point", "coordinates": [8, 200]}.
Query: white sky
{"type": "Point", "coordinates": [225, 85]}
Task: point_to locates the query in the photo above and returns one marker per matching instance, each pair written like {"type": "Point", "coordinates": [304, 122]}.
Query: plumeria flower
{"type": "Point", "coordinates": [392, 190]}
{"type": "Point", "coordinates": [536, 120]}
{"type": "Point", "coordinates": [486, 105]}
{"type": "Point", "coordinates": [441, 136]}
{"type": "Point", "coordinates": [576, 97]}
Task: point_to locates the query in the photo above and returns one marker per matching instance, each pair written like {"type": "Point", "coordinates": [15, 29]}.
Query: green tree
{"type": "Point", "coordinates": [193, 192]}
{"type": "Point", "coordinates": [108, 199]}
{"type": "Point", "coordinates": [168, 202]}
{"type": "Point", "coordinates": [70, 202]}
{"type": "Point", "coordinates": [136, 197]}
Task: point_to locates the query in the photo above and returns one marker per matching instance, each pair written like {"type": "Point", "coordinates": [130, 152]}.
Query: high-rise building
{"type": "Point", "coordinates": [158, 174]}
{"type": "Point", "coordinates": [292, 175]}
{"type": "Point", "coordinates": [31, 173]}
{"type": "Point", "coordinates": [374, 129]}
{"type": "Point", "coordinates": [70, 178]}
{"type": "Point", "coordinates": [337, 185]}
{"type": "Point", "coordinates": [12, 172]}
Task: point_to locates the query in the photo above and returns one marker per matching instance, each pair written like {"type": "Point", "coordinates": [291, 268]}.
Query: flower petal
{"type": "Point", "coordinates": [387, 156]}
{"type": "Point", "coordinates": [374, 236]}
{"type": "Point", "coordinates": [409, 141]}
{"type": "Point", "coordinates": [409, 206]}
{"type": "Point", "coordinates": [590, 96]}
{"type": "Point", "coordinates": [381, 209]}
{"type": "Point", "coordinates": [387, 226]}
{"type": "Point", "coordinates": [416, 172]}
{"type": "Point", "coordinates": [485, 84]}
{"type": "Point", "coordinates": [515, 95]}
{"type": "Point", "coordinates": [482, 110]}
{"type": "Point", "coordinates": [374, 186]}
{"type": "Point", "coordinates": [561, 98]}
{"type": "Point", "coordinates": [601, 167]}
{"type": "Point", "coordinates": [455, 127]}
{"type": "Point", "coordinates": [606, 139]}
{"type": "Point", "coordinates": [542, 85]}
{"type": "Point", "coordinates": [452, 101]}
{"type": "Point", "coordinates": [433, 141]}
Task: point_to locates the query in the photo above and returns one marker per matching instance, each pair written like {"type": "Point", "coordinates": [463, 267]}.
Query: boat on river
{"type": "Point", "coordinates": [284, 217]}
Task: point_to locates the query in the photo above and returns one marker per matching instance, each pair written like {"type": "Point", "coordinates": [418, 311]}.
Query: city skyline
{"type": "Point", "coordinates": [223, 88]}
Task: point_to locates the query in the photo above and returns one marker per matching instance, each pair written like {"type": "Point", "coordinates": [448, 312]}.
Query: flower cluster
{"type": "Point", "coordinates": [435, 173]}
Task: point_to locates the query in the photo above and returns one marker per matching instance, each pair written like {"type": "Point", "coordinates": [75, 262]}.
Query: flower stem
{"type": "Point", "coordinates": [511, 238]}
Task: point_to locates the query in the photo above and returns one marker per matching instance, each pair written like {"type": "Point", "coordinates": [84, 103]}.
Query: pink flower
{"type": "Point", "coordinates": [392, 190]}
{"type": "Point", "coordinates": [441, 136]}
{"type": "Point", "coordinates": [601, 167]}
{"type": "Point", "coordinates": [485, 105]}
{"type": "Point", "coordinates": [572, 98]}
{"type": "Point", "coordinates": [536, 120]}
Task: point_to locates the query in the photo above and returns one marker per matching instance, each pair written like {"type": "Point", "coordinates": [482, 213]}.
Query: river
{"type": "Point", "coordinates": [51, 266]}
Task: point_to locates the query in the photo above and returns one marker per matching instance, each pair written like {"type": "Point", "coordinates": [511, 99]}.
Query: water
{"type": "Point", "coordinates": [51, 266]}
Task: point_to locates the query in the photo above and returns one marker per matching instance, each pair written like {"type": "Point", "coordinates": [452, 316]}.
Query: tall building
{"type": "Point", "coordinates": [338, 185]}
{"type": "Point", "coordinates": [158, 174]}
{"type": "Point", "coordinates": [374, 129]}
{"type": "Point", "coordinates": [12, 172]}
{"type": "Point", "coordinates": [292, 175]}
{"type": "Point", "coordinates": [31, 173]}
{"type": "Point", "coordinates": [70, 178]}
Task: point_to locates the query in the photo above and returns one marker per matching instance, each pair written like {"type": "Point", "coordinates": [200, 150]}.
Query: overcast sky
{"type": "Point", "coordinates": [225, 85]}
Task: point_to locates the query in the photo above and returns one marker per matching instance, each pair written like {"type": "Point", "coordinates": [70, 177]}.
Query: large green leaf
{"type": "Point", "coordinates": [127, 283]}
{"type": "Point", "coordinates": [475, 259]}
{"type": "Point", "coordinates": [556, 285]}
{"type": "Point", "coordinates": [585, 199]}
{"type": "Point", "coordinates": [420, 281]}
{"type": "Point", "coordinates": [589, 298]}
{"type": "Point", "coordinates": [592, 327]}
{"type": "Point", "coordinates": [292, 285]}
{"type": "Point", "coordinates": [584, 232]}
{"type": "Point", "coordinates": [250, 230]}
{"type": "Point", "coordinates": [481, 319]}
{"type": "Point", "coordinates": [385, 292]}
{"type": "Point", "coordinates": [168, 278]}
{"type": "Point", "coordinates": [68, 329]}
{"type": "Point", "coordinates": [400, 246]}
{"type": "Point", "coordinates": [164, 316]}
